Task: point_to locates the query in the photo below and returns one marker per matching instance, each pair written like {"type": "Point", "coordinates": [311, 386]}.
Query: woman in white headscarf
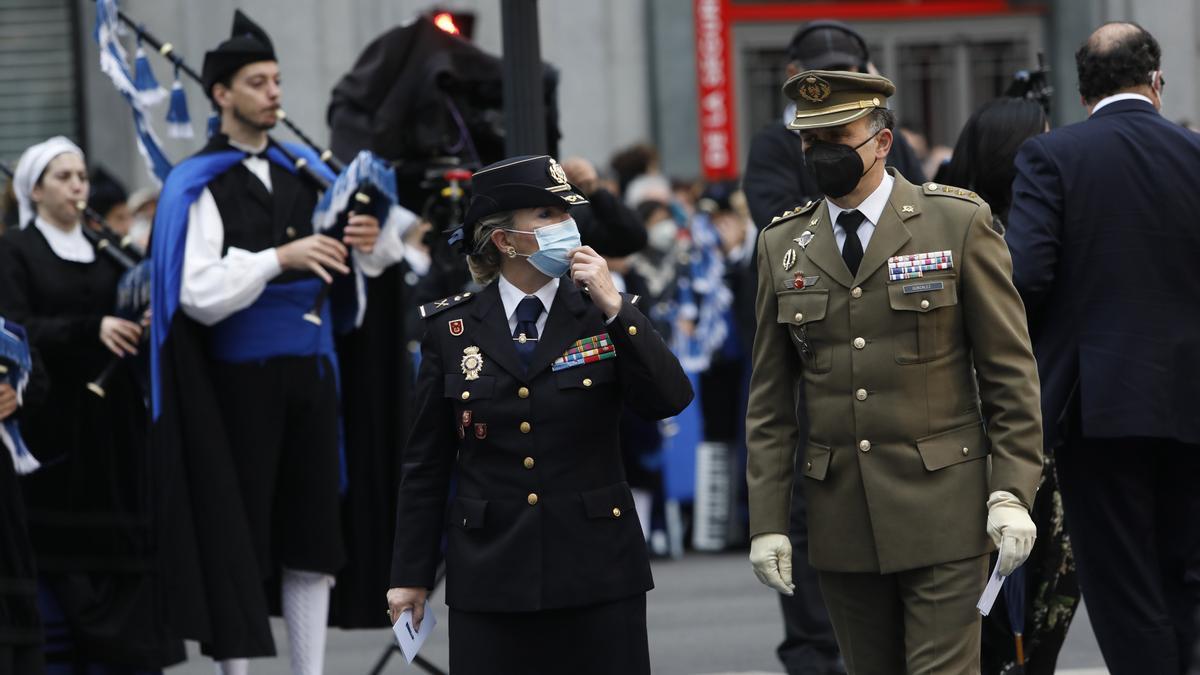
{"type": "Point", "coordinates": [87, 506]}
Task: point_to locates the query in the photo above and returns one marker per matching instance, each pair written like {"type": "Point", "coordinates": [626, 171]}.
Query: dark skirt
{"type": "Point", "coordinates": [594, 640]}
{"type": "Point", "coordinates": [20, 625]}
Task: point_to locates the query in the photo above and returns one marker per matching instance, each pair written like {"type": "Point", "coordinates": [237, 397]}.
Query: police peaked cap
{"type": "Point", "coordinates": [248, 43]}
{"type": "Point", "coordinates": [518, 183]}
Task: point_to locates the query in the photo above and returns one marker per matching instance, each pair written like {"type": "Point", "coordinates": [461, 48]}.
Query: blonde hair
{"type": "Point", "coordinates": [484, 259]}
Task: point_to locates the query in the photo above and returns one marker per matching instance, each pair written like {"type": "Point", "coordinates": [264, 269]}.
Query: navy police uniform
{"type": "Point", "coordinates": [546, 565]}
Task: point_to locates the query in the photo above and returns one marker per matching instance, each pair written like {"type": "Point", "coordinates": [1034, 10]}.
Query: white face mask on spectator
{"type": "Point", "coordinates": [661, 234]}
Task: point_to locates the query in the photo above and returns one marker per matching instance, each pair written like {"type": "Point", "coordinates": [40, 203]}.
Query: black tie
{"type": "Point", "coordinates": [852, 251]}
{"type": "Point", "coordinates": [526, 334]}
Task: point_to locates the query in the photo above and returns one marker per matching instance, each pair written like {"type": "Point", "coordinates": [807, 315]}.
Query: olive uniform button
{"type": "Point", "coordinates": [532, 499]}
{"type": "Point", "coordinates": [525, 427]}
{"type": "Point", "coordinates": [865, 446]}
{"type": "Point", "coordinates": [861, 394]}
{"type": "Point", "coordinates": [924, 304]}
{"type": "Point", "coordinates": [523, 392]}
{"type": "Point", "coordinates": [528, 462]}
{"type": "Point", "coordinates": [466, 395]}
{"type": "Point", "coordinates": [808, 466]}
{"type": "Point", "coordinates": [856, 292]}
{"type": "Point", "coordinates": [966, 451]}
{"type": "Point", "coordinates": [616, 512]}
{"type": "Point", "coordinates": [859, 343]}
{"type": "Point", "coordinates": [799, 317]}
{"type": "Point", "coordinates": [633, 330]}
{"type": "Point", "coordinates": [587, 381]}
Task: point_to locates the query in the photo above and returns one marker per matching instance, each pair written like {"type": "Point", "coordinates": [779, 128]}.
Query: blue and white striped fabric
{"type": "Point", "coordinates": [15, 367]}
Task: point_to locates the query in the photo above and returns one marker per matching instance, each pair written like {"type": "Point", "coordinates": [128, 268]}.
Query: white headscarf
{"type": "Point", "coordinates": [30, 167]}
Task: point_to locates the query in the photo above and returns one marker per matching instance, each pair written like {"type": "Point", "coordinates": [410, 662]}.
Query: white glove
{"type": "Point", "coordinates": [771, 556]}
{"type": "Point", "coordinates": [1011, 528]}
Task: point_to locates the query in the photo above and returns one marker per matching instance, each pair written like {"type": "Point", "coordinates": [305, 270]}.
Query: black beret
{"type": "Point", "coordinates": [248, 43]}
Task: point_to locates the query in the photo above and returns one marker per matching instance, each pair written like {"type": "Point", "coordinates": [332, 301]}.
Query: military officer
{"type": "Point", "coordinates": [892, 305]}
{"type": "Point", "coordinates": [520, 391]}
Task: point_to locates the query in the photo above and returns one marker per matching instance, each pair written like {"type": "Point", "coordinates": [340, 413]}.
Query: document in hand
{"type": "Point", "coordinates": [990, 591]}
{"type": "Point", "coordinates": [409, 638]}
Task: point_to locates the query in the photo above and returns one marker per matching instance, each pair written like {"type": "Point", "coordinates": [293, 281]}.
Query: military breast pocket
{"type": "Point", "coordinates": [588, 376]}
{"type": "Point", "coordinates": [802, 313]}
{"type": "Point", "coordinates": [925, 323]}
{"type": "Point", "coordinates": [467, 513]}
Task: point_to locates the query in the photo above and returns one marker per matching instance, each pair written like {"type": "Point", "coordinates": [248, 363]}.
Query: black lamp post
{"type": "Point", "coordinates": [524, 98]}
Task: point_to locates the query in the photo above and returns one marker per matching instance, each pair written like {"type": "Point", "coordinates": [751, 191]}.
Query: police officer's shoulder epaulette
{"type": "Point", "coordinates": [794, 212]}
{"type": "Point", "coordinates": [444, 304]}
{"type": "Point", "coordinates": [951, 191]}
{"type": "Point", "coordinates": [632, 298]}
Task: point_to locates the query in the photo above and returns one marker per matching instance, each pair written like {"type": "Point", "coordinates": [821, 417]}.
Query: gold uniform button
{"type": "Point", "coordinates": [859, 343]}
{"type": "Point", "coordinates": [291, 232]}
{"type": "Point", "coordinates": [924, 304]}
{"type": "Point", "coordinates": [865, 446]}
{"type": "Point", "coordinates": [633, 330]}
{"type": "Point", "coordinates": [525, 427]}
{"type": "Point", "coordinates": [465, 395]}
{"type": "Point", "coordinates": [587, 381]}
{"type": "Point", "coordinates": [523, 392]}
{"type": "Point", "coordinates": [966, 451]}
{"type": "Point", "coordinates": [532, 499]}
{"type": "Point", "coordinates": [799, 317]}
{"type": "Point", "coordinates": [616, 512]}
{"type": "Point", "coordinates": [528, 462]}
{"type": "Point", "coordinates": [861, 394]}
{"type": "Point", "coordinates": [856, 292]}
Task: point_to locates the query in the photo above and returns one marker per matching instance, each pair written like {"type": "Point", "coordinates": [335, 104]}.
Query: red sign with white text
{"type": "Point", "coordinates": [718, 138]}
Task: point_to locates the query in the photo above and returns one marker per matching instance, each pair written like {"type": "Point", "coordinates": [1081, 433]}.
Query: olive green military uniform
{"type": "Point", "coordinates": [922, 399]}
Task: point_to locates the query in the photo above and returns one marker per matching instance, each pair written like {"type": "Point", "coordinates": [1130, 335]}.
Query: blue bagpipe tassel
{"type": "Point", "coordinates": [179, 122]}
{"type": "Point", "coordinates": [214, 123]}
{"type": "Point", "coordinates": [148, 91]}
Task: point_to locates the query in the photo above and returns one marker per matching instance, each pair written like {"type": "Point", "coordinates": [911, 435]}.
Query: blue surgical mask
{"type": "Point", "coordinates": [555, 243]}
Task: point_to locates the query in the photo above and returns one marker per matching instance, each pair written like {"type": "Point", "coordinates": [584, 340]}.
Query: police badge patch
{"type": "Point", "coordinates": [813, 89]}
{"type": "Point", "coordinates": [472, 362]}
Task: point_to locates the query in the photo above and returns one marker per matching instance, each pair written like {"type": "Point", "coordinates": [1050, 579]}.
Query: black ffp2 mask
{"type": "Point", "coordinates": [837, 168]}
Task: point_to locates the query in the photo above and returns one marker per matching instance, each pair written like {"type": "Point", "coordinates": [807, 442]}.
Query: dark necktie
{"type": "Point", "coordinates": [525, 335]}
{"type": "Point", "coordinates": [852, 251]}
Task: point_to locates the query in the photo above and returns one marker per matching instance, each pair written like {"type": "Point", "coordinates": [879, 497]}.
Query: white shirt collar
{"type": "Point", "coordinates": [1119, 97]}
{"type": "Point", "coordinates": [70, 245]}
{"type": "Point", "coordinates": [871, 207]}
{"type": "Point", "coordinates": [512, 296]}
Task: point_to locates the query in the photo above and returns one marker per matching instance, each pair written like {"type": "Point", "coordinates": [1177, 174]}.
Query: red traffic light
{"type": "Point", "coordinates": [445, 21]}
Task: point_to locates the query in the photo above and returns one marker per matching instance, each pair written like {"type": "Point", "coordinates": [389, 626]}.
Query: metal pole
{"type": "Point", "coordinates": [524, 98]}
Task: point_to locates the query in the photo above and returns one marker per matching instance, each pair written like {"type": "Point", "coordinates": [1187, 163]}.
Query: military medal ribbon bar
{"type": "Point", "coordinates": [588, 350]}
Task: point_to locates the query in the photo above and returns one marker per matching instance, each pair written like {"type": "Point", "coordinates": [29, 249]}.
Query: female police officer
{"type": "Point", "coordinates": [520, 389]}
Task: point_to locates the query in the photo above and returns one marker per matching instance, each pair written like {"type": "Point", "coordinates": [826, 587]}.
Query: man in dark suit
{"type": "Point", "coordinates": [776, 178]}
{"type": "Point", "coordinates": [1106, 245]}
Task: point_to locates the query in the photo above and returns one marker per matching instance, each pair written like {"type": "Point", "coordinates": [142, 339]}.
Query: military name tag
{"type": "Point", "coordinates": [924, 287]}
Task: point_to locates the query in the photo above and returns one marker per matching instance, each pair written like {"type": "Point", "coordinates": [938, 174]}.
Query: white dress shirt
{"type": "Point", "coordinates": [511, 296]}
{"type": "Point", "coordinates": [216, 286]}
{"type": "Point", "coordinates": [1119, 97]}
{"type": "Point", "coordinates": [69, 245]}
{"type": "Point", "coordinates": [871, 207]}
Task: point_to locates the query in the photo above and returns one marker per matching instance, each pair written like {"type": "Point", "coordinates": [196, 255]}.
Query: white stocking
{"type": "Point", "coordinates": [306, 611]}
{"type": "Point", "coordinates": [233, 667]}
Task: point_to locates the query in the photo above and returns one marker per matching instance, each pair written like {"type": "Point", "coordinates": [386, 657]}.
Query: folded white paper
{"type": "Point", "coordinates": [991, 590]}
{"type": "Point", "coordinates": [410, 639]}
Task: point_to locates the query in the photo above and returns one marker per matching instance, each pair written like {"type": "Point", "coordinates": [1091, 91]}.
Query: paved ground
{"type": "Point", "coordinates": [708, 615]}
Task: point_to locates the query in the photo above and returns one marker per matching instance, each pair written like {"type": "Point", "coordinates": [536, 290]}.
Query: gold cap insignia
{"type": "Point", "coordinates": [472, 363]}
{"type": "Point", "coordinates": [814, 89]}
{"type": "Point", "coordinates": [557, 172]}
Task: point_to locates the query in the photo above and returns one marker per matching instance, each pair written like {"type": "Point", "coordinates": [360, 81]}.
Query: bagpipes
{"type": "Point", "coordinates": [373, 190]}
{"type": "Point", "coordinates": [16, 364]}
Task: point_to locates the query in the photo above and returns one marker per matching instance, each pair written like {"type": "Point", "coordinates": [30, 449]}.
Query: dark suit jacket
{"type": "Point", "coordinates": [543, 517]}
{"type": "Point", "coordinates": [1105, 242]}
{"type": "Point", "coordinates": [776, 178]}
